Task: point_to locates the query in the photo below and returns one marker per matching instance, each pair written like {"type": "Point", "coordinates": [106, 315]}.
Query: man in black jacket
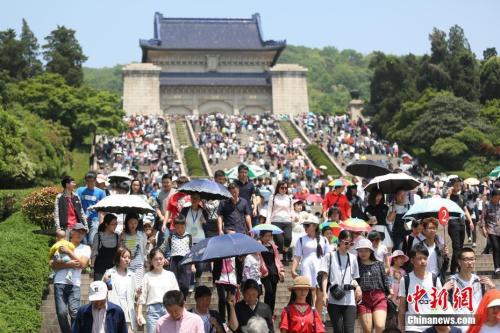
{"type": "Point", "coordinates": [68, 209]}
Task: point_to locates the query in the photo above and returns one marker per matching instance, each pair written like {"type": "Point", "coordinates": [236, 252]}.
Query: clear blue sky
{"type": "Point", "coordinates": [109, 30]}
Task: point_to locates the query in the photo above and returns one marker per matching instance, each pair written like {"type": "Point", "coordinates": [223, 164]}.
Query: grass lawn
{"type": "Point", "coordinates": [80, 165]}
{"type": "Point", "coordinates": [318, 157]}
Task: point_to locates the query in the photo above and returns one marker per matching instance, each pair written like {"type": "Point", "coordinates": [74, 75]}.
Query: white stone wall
{"type": "Point", "coordinates": [289, 89]}
{"type": "Point", "coordinates": [141, 89]}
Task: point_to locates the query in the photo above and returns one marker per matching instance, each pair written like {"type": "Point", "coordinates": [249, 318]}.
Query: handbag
{"type": "Point", "coordinates": [338, 292]}
{"type": "Point", "coordinates": [392, 309]}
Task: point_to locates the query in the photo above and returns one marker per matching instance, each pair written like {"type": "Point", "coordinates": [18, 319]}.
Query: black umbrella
{"type": "Point", "coordinates": [207, 189]}
{"type": "Point", "coordinates": [367, 169]}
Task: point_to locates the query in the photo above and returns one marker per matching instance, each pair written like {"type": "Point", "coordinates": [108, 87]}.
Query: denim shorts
{"type": "Point", "coordinates": [153, 313]}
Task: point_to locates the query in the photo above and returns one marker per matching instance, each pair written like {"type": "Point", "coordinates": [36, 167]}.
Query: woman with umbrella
{"type": "Point", "coordinates": [395, 220]}
{"type": "Point", "coordinates": [355, 202]}
{"type": "Point", "coordinates": [279, 213]}
{"type": "Point", "coordinates": [134, 239]}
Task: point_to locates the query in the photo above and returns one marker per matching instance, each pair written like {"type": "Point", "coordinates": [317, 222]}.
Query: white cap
{"type": "Point", "coordinates": [493, 303]}
{"type": "Point", "coordinates": [364, 244]}
{"type": "Point", "coordinates": [98, 291]}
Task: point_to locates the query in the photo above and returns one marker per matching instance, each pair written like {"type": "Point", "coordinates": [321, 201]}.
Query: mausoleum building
{"type": "Point", "coordinates": [204, 65]}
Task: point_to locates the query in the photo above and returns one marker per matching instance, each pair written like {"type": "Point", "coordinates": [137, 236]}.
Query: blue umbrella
{"type": "Point", "coordinates": [267, 227]}
{"type": "Point", "coordinates": [224, 246]}
{"type": "Point", "coordinates": [430, 207]}
{"type": "Point", "coordinates": [207, 189]}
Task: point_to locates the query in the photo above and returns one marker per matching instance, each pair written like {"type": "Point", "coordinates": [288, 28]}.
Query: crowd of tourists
{"type": "Point", "coordinates": [338, 273]}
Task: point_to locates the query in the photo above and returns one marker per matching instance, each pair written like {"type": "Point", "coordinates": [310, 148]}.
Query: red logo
{"type": "Point", "coordinates": [462, 298]}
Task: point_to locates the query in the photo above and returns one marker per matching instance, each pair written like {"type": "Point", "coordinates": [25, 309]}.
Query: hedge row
{"type": "Point", "coordinates": [10, 201]}
{"type": "Point", "coordinates": [289, 130]}
{"type": "Point", "coordinates": [23, 275]}
{"type": "Point", "coordinates": [318, 158]}
{"type": "Point", "coordinates": [194, 163]}
{"type": "Point", "coordinates": [182, 135]}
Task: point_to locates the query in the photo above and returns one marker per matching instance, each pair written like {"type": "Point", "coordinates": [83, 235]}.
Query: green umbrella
{"type": "Point", "coordinates": [253, 172]}
{"type": "Point", "coordinates": [495, 173]}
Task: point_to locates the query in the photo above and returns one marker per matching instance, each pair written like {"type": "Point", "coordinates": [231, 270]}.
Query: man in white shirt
{"type": "Point", "coordinates": [466, 278]}
{"type": "Point", "coordinates": [424, 280]}
{"type": "Point", "coordinates": [438, 260]}
{"type": "Point", "coordinates": [67, 292]}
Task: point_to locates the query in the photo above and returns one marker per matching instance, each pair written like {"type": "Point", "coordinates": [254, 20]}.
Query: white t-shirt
{"type": "Point", "coordinates": [156, 285]}
{"type": "Point", "coordinates": [432, 264]}
{"type": "Point", "coordinates": [337, 272]}
{"type": "Point", "coordinates": [194, 222]}
{"type": "Point", "coordinates": [381, 252]}
{"type": "Point", "coordinates": [477, 294]}
{"type": "Point", "coordinates": [424, 303]}
{"type": "Point", "coordinates": [81, 251]}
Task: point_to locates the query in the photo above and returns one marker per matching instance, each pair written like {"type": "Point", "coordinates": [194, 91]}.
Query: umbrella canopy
{"type": "Point", "coordinates": [430, 207]}
{"type": "Point", "coordinates": [119, 175]}
{"type": "Point", "coordinates": [123, 204]}
{"type": "Point", "coordinates": [297, 141]}
{"type": "Point", "coordinates": [336, 229]}
{"type": "Point", "coordinates": [267, 227]}
{"type": "Point", "coordinates": [323, 167]}
{"type": "Point", "coordinates": [391, 182]}
{"type": "Point", "coordinates": [495, 172]}
{"type": "Point", "coordinates": [355, 224]}
{"type": "Point", "coordinates": [315, 198]}
{"type": "Point", "coordinates": [207, 189]}
{"type": "Point", "coordinates": [344, 182]}
{"type": "Point", "coordinates": [253, 172]}
{"type": "Point", "coordinates": [472, 181]}
{"type": "Point", "coordinates": [224, 246]}
{"type": "Point", "coordinates": [367, 169]}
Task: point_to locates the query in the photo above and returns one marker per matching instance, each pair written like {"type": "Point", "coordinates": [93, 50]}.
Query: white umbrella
{"type": "Point", "coordinates": [391, 182]}
{"type": "Point", "coordinates": [123, 204]}
{"type": "Point", "coordinates": [431, 206]}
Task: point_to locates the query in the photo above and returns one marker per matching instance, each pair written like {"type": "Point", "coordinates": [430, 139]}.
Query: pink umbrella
{"type": "Point", "coordinates": [297, 141]}
{"type": "Point", "coordinates": [315, 198]}
{"type": "Point", "coordinates": [242, 151]}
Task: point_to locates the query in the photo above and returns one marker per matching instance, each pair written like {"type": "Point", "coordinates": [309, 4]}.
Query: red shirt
{"type": "Point", "coordinates": [331, 198]}
{"type": "Point", "coordinates": [72, 219]}
{"type": "Point", "coordinates": [301, 323]}
{"type": "Point", "coordinates": [175, 204]}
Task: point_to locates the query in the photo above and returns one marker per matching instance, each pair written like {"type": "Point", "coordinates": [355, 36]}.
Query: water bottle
{"type": "Point", "coordinates": [324, 314]}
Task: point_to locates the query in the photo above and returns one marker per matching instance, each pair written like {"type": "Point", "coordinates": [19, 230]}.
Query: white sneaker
{"type": "Point", "coordinates": [497, 271]}
{"type": "Point", "coordinates": [473, 244]}
{"type": "Point", "coordinates": [470, 239]}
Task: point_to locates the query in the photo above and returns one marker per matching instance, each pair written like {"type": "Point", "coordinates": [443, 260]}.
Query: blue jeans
{"type": "Point", "coordinates": [67, 299]}
{"type": "Point", "coordinates": [93, 225]}
{"type": "Point", "coordinates": [153, 313]}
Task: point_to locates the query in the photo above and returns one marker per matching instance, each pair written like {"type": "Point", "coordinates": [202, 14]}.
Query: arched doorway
{"type": "Point", "coordinates": [177, 110]}
{"type": "Point", "coordinates": [213, 107]}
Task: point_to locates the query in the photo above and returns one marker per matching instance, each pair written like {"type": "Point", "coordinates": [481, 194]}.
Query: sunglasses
{"type": "Point", "coordinates": [347, 243]}
{"type": "Point", "coordinates": [283, 187]}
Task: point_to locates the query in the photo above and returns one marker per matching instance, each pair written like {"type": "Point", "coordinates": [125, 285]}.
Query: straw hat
{"type": "Point", "coordinates": [301, 282]}
{"type": "Point", "coordinates": [310, 219]}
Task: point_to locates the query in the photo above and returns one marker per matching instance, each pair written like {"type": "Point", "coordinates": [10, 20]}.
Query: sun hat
{"type": "Point", "coordinates": [493, 303]}
{"type": "Point", "coordinates": [301, 282]}
{"type": "Point", "coordinates": [338, 183]}
{"type": "Point", "coordinates": [364, 244]}
{"type": "Point", "coordinates": [310, 219]}
{"type": "Point", "coordinates": [98, 291]}
{"type": "Point", "coordinates": [263, 212]}
{"type": "Point", "coordinates": [399, 253]}
{"type": "Point", "coordinates": [79, 226]}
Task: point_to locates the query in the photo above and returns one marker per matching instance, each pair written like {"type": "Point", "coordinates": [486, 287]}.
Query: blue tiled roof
{"type": "Point", "coordinates": [214, 79]}
{"type": "Point", "coordinates": [209, 34]}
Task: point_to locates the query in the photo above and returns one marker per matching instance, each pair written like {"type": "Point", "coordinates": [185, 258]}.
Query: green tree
{"type": "Point", "coordinates": [10, 49]}
{"type": "Point", "coordinates": [489, 52]}
{"type": "Point", "coordinates": [462, 65]}
{"type": "Point", "coordinates": [30, 52]}
{"type": "Point", "coordinates": [490, 79]}
{"type": "Point", "coordinates": [392, 84]}
{"type": "Point", "coordinates": [64, 55]}
{"type": "Point", "coordinates": [439, 46]}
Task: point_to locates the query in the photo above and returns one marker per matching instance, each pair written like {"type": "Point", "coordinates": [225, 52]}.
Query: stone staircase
{"type": "Point", "coordinates": [484, 266]}
{"type": "Point", "coordinates": [232, 160]}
